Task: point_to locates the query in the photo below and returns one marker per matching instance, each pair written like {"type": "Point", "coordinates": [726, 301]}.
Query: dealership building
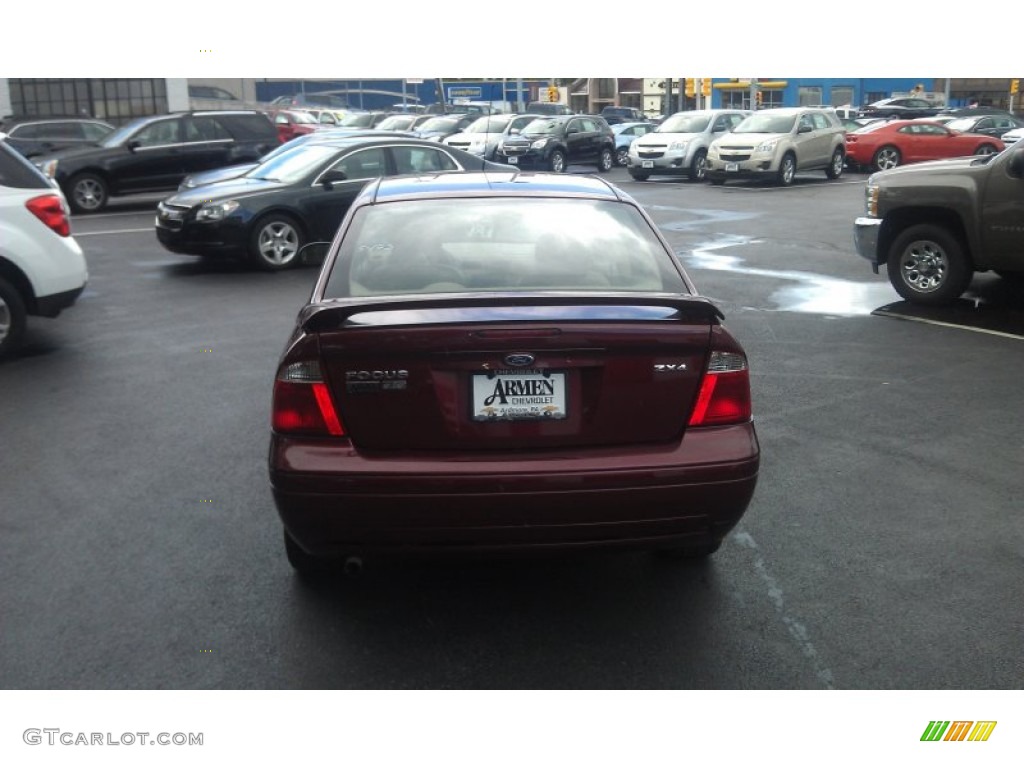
{"type": "Point", "coordinates": [120, 99]}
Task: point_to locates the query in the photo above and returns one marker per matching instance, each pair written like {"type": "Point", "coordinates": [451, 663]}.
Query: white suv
{"type": "Point", "coordinates": [42, 269]}
{"type": "Point", "coordinates": [776, 143]}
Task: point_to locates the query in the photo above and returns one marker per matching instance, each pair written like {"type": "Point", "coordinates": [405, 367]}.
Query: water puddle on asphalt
{"type": "Point", "coordinates": [808, 291]}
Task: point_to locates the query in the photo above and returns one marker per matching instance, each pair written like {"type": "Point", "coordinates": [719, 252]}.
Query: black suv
{"type": "Point", "coordinates": [153, 154]}
{"type": "Point", "coordinates": [33, 136]}
{"type": "Point", "coordinates": [554, 143]}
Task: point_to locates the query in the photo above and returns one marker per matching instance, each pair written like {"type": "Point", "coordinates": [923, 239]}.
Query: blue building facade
{"type": "Point", "coordinates": [383, 94]}
{"type": "Point", "coordinates": [794, 92]}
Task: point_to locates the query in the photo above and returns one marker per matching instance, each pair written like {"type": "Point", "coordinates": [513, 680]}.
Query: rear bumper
{"type": "Point", "coordinates": [54, 304]}
{"type": "Point", "coordinates": [334, 501]}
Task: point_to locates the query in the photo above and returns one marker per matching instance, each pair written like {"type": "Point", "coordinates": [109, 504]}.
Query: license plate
{"type": "Point", "coordinates": [647, 164]}
{"type": "Point", "coordinates": [513, 160]}
{"type": "Point", "coordinates": [518, 395]}
{"type": "Point", "coordinates": [732, 167]}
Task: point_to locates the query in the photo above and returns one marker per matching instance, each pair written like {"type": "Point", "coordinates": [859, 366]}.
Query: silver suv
{"type": "Point", "coordinates": [776, 143]}
{"type": "Point", "coordinates": [679, 145]}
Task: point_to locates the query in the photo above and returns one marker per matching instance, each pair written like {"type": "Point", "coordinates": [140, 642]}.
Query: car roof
{"type": "Point", "coordinates": [23, 119]}
{"type": "Point", "coordinates": [498, 184]}
{"type": "Point", "coordinates": [365, 137]}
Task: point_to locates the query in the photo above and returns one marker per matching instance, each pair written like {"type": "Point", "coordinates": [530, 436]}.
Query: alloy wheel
{"type": "Point", "coordinates": [278, 243]}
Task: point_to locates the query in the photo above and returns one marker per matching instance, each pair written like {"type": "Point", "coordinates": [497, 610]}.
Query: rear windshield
{"type": "Point", "coordinates": [19, 173]}
{"type": "Point", "coordinates": [510, 244]}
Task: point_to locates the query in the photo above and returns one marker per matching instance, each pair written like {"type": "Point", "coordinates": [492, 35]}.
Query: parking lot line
{"type": "Point", "coordinates": [111, 232]}
{"type": "Point", "coordinates": [927, 321]}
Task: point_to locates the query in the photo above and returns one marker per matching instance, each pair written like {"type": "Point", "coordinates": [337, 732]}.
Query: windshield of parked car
{"type": "Point", "coordinates": [397, 123]}
{"type": "Point", "coordinates": [490, 124]}
{"type": "Point", "coordinates": [303, 117]}
{"type": "Point", "coordinates": [439, 124]}
{"type": "Point", "coordinates": [357, 120]}
{"type": "Point", "coordinates": [540, 126]}
{"type": "Point", "coordinates": [511, 244]}
{"type": "Point", "coordinates": [684, 124]}
{"type": "Point", "coordinates": [766, 124]}
{"type": "Point", "coordinates": [120, 135]}
{"type": "Point", "coordinates": [962, 124]}
{"type": "Point", "coordinates": [293, 165]}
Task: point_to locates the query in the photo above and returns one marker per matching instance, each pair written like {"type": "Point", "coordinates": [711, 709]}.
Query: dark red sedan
{"type": "Point", "coordinates": [291, 123]}
{"type": "Point", "coordinates": [507, 362]}
{"type": "Point", "coordinates": [884, 145]}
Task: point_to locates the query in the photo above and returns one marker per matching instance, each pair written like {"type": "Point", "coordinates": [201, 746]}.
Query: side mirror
{"type": "Point", "coordinates": [313, 253]}
{"type": "Point", "coordinates": [1017, 164]}
{"type": "Point", "coordinates": [332, 177]}
{"type": "Point", "coordinates": [804, 129]}
{"type": "Point", "coordinates": [133, 145]}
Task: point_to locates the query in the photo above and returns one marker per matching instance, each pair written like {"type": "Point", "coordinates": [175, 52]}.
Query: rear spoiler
{"type": "Point", "coordinates": [334, 314]}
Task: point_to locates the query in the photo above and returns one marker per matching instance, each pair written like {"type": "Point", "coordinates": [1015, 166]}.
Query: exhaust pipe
{"type": "Point", "coordinates": [353, 566]}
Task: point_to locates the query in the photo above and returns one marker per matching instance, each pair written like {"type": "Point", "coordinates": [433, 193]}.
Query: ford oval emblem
{"type": "Point", "coordinates": [519, 360]}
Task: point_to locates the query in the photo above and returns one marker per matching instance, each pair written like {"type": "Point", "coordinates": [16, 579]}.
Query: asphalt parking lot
{"type": "Point", "coordinates": [883, 548]}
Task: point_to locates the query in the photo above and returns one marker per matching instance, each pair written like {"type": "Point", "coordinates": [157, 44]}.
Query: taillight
{"type": "Point", "coordinates": [302, 402]}
{"type": "Point", "coordinates": [724, 396]}
{"type": "Point", "coordinates": [49, 209]}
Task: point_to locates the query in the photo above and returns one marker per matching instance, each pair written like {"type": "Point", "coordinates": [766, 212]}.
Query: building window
{"type": "Point", "coordinates": [809, 95]}
{"type": "Point", "coordinates": [841, 95]}
{"type": "Point", "coordinates": [116, 100]}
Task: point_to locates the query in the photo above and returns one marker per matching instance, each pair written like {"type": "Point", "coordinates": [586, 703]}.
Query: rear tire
{"type": "Point", "coordinates": [835, 167]}
{"type": "Point", "coordinates": [556, 163]}
{"type": "Point", "coordinates": [886, 158]}
{"type": "Point", "coordinates": [87, 193]}
{"type": "Point", "coordinates": [606, 160]}
{"type": "Point", "coordinates": [927, 265]}
{"type": "Point", "coordinates": [622, 156]}
{"type": "Point", "coordinates": [986, 149]}
{"type": "Point", "coordinates": [275, 242]}
{"type": "Point", "coordinates": [12, 319]}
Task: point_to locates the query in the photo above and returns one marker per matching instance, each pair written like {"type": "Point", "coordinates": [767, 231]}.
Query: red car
{"type": "Point", "coordinates": [292, 123]}
{"type": "Point", "coordinates": [885, 145]}
{"type": "Point", "coordinates": [507, 362]}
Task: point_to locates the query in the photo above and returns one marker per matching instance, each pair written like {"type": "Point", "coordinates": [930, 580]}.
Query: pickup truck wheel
{"type": "Point", "coordinates": [12, 318]}
{"type": "Point", "coordinates": [835, 168]}
{"type": "Point", "coordinates": [886, 158]}
{"type": "Point", "coordinates": [927, 265]}
{"type": "Point", "coordinates": [787, 170]}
